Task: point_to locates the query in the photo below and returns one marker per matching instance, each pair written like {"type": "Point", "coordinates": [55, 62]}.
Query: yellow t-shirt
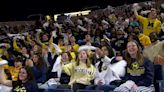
{"type": "Point", "coordinates": [144, 40]}
{"type": "Point", "coordinates": [79, 74]}
{"type": "Point", "coordinates": [75, 47]}
{"type": "Point", "coordinates": [149, 25]}
{"type": "Point", "coordinates": [16, 46]}
{"type": "Point", "coordinates": [73, 55]}
{"type": "Point", "coordinates": [13, 71]}
{"type": "Point", "coordinates": [62, 48]}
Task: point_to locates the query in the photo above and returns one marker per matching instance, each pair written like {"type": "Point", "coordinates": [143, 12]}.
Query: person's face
{"type": "Point", "coordinates": [35, 58]}
{"type": "Point", "coordinates": [45, 37]}
{"type": "Point", "coordinates": [18, 64]}
{"type": "Point", "coordinates": [136, 30]}
{"type": "Point", "coordinates": [23, 75]}
{"type": "Point", "coordinates": [82, 55]}
{"type": "Point", "coordinates": [105, 50]}
{"type": "Point", "coordinates": [105, 26]}
{"type": "Point", "coordinates": [64, 57]}
{"type": "Point", "coordinates": [153, 15]}
{"type": "Point", "coordinates": [97, 33]}
{"type": "Point", "coordinates": [119, 34]}
{"type": "Point", "coordinates": [103, 43]}
{"type": "Point", "coordinates": [99, 52]}
{"type": "Point", "coordinates": [35, 48]}
{"type": "Point", "coordinates": [31, 32]}
{"type": "Point", "coordinates": [68, 32]}
{"type": "Point", "coordinates": [113, 31]}
{"type": "Point", "coordinates": [33, 43]}
{"type": "Point", "coordinates": [130, 29]}
{"type": "Point", "coordinates": [132, 48]}
{"type": "Point", "coordinates": [72, 39]}
{"type": "Point", "coordinates": [68, 48]}
{"type": "Point", "coordinates": [24, 50]}
{"type": "Point", "coordinates": [88, 37]}
{"type": "Point", "coordinates": [100, 27]}
{"type": "Point", "coordinates": [131, 19]}
{"type": "Point", "coordinates": [119, 18]}
{"type": "Point", "coordinates": [60, 42]}
{"type": "Point", "coordinates": [130, 38]}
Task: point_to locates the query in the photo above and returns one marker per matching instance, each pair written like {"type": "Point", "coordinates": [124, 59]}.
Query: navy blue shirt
{"type": "Point", "coordinates": [40, 74]}
{"type": "Point", "coordinates": [29, 86]}
{"type": "Point", "coordinates": [142, 75]}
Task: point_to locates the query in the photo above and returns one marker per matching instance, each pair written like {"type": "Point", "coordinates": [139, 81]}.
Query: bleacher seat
{"type": "Point", "coordinates": [59, 90]}
{"type": "Point", "coordinates": [64, 86]}
{"type": "Point", "coordinates": [158, 76]}
{"type": "Point", "coordinates": [158, 72]}
{"type": "Point", "coordinates": [161, 86]}
{"type": "Point", "coordinates": [90, 91]}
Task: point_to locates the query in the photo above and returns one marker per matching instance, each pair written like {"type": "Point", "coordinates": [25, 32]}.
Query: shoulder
{"type": "Point", "coordinates": [32, 86]}
{"type": "Point", "coordinates": [158, 22]}
{"type": "Point", "coordinates": [32, 82]}
{"type": "Point", "coordinates": [141, 17]}
{"type": "Point", "coordinates": [71, 64]}
{"type": "Point", "coordinates": [147, 61]}
{"type": "Point", "coordinates": [92, 67]}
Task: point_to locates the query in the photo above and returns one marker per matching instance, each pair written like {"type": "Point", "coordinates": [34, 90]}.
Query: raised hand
{"type": "Point", "coordinates": [29, 63]}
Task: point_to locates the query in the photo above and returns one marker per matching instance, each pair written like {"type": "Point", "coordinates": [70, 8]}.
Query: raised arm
{"type": "Point", "coordinates": [3, 79]}
{"type": "Point", "coordinates": [29, 40]}
{"type": "Point", "coordinates": [15, 45]}
{"type": "Point", "coordinates": [38, 38]}
{"type": "Point", "coordinates": [139, 17]}
{"type": "Point", "coordinates": [135, 9]}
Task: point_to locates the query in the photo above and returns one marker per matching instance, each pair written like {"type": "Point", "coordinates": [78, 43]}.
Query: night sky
{"type": "Point", "coordinates": [19, 9]}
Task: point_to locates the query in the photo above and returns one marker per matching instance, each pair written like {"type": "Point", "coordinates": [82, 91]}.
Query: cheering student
{"type": "Point", "coordinates": [104, 74]}
{"type": "Point", "coordinates": [14, 70]}
{"type": "Point", "coordinates": [25, 82]}
{"type": "Point", "coordinates": [38, 68]}
{"type": "Point", "coordinates": [23, 50]}
{"type": "Point", "coordinates": [150, 24]}
{"type": "Point", "coordinates": [82, 72]}
{"type": "Point", "coordinates": [138, 71]}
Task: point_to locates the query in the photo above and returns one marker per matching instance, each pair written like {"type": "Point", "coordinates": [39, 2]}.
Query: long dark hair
{"type": "Point", "coordinates": [40, 63]}
{"type": "Point", "coordinates": [30, 76]}
{"type": "Point", "coordinates": [110, 51]}
{"type": "Point", "coordinates": [139, 59]}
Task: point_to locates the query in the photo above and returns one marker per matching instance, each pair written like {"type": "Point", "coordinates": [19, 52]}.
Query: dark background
{"type": "Point", "coordinates": [12, 10]}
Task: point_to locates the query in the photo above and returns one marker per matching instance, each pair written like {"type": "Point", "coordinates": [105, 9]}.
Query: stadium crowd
{"type": "Point", "coordinates": [110, 49]}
